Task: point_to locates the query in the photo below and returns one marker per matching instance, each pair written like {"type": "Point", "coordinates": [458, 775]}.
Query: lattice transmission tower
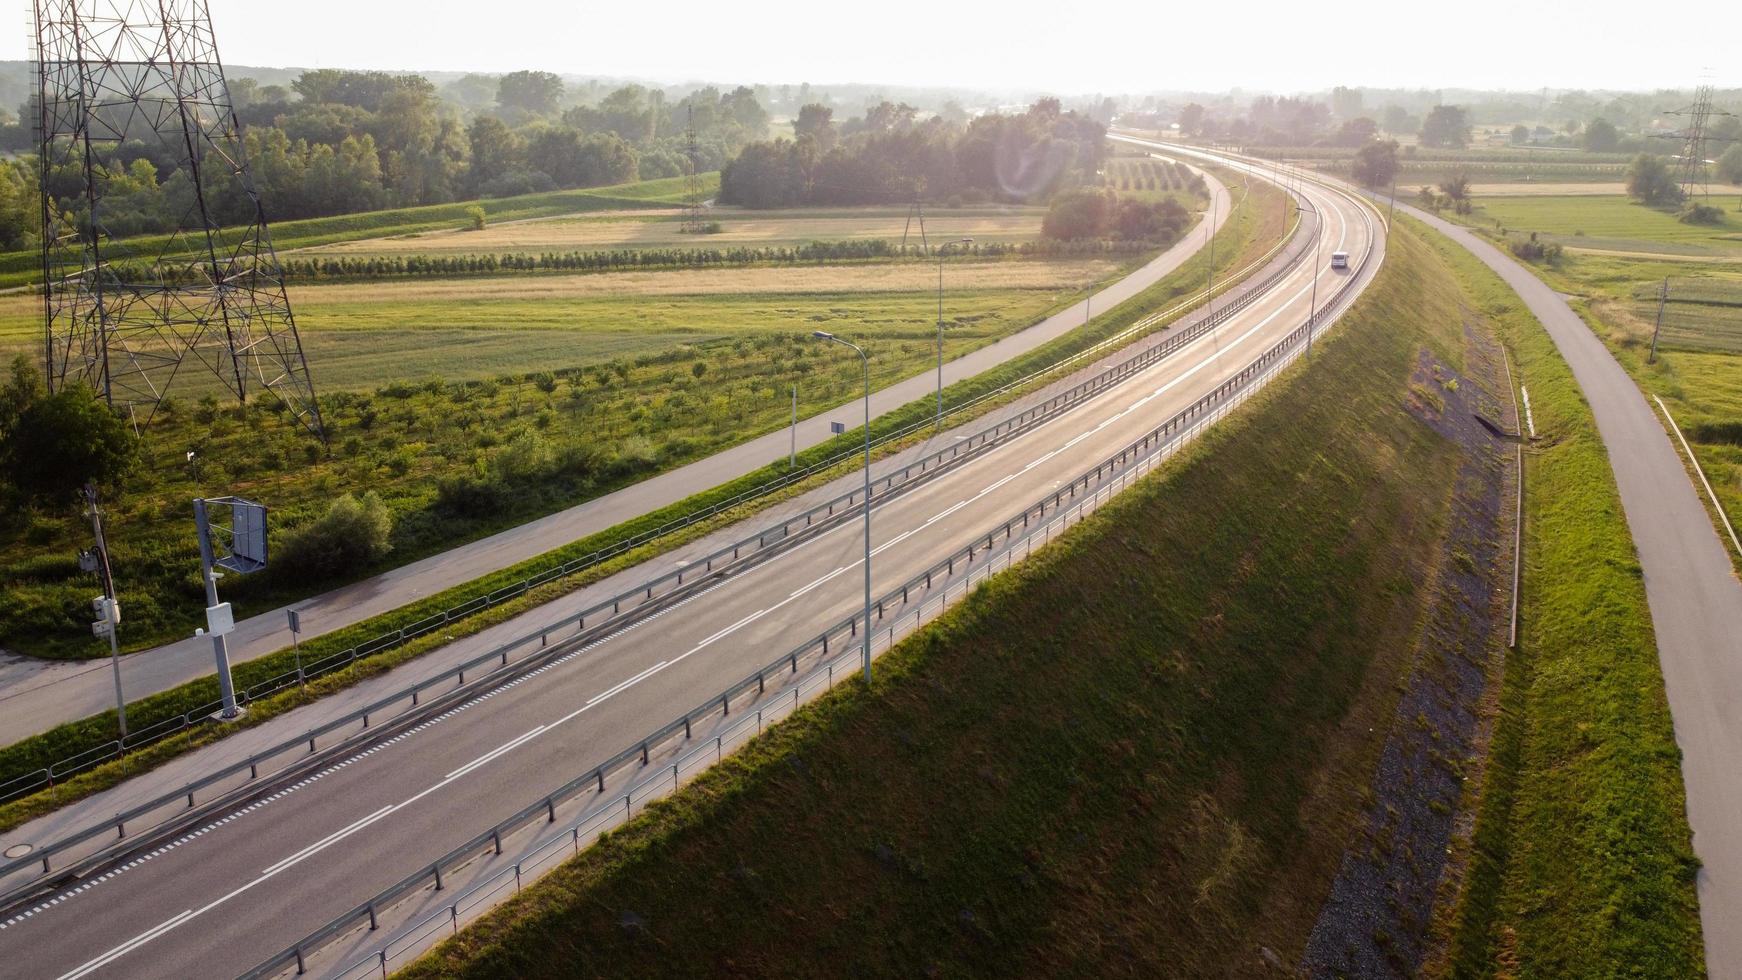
{"type": "Point", "coordinates": [132, 316]}
{"type": "Point", "coordinates": [693, 221]}
{"type": "Point", "coordinates": [1696, 139]}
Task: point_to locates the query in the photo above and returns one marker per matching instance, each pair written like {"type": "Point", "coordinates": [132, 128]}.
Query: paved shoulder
{"type": "Point", "coordinates": [1695, 598]}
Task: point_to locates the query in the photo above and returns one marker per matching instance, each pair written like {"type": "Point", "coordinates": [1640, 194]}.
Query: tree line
{"type": "Point", "coordinates": [339, 142]}
{"type": "Point", "coordinates": [891, 156]}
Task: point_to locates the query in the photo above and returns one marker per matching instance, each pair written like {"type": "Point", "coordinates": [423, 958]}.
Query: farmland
{"type": "Point", "coordinates": [360, 336]}
{"type": "Point", "coordinates": [1516, 166]}
{"type": "Point", "coordinates": [663, 228]}
{"type": "Point", "coordinates": [1614, 273]}
{"type": "Point", "coordinates": [1614, 223]}
{"type": "Point", "coordinates": [541, 389]}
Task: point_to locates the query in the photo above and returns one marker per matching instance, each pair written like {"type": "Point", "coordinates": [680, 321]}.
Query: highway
{"type": "Point", "coordinates": [218, 901]}
{"type": "Point", "coordinates": [36, 695]}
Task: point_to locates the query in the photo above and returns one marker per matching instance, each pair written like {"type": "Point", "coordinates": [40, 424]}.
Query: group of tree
{"type": "Point", "coordinates": [892, 156]}
{"type": "Point", "coordinates": [1090, 213]}
{"type": "Point", "coordinates": [52, 444]}
{"type": "Point", "coordinates": [338, 142]}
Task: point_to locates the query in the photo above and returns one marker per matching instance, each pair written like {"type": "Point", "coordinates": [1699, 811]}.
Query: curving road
{"type": "Point", "coordinates": [36, 695]}
{"type": "Point", "coordinates": [1690, 584]}
{"type": "Point", "coordinates": [277, 867]}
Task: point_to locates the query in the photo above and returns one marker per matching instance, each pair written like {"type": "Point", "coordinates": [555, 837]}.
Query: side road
{"type": "Point", "coordinates": [1695, 598]}
{"type": "Point", "coordinates": [36, 695]}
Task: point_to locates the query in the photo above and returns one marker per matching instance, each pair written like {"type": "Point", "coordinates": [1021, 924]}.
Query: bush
{"type": "Point", "coordinates": [61, 440]}
{"type": "Point", "coordinates": [479, 217]}
{"type": "Point", "coordinates": [468, 496]}
{"type": "Point", "coordinates": [353, 533]}
{"type": "Point", "coordinates": [1533, 249]}
{"type": "Point", "coordinates": [1695, 213]}
{"type": "Point", "coordinates": [1081, 213]}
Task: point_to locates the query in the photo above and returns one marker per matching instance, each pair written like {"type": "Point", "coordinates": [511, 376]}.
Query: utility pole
{"type": "Point", "coordinates": [866, 360]}
{"type": "Point", "coordinates": [938, 424]}
{"type": "Point", "coordinates": [792, 457]}
{"type": "Point", "coordinates": [108, 609]}
{"type": "Point", "coordinates": [1210, 290]}
{"type": "Point", "coordinates": [1662, 300]}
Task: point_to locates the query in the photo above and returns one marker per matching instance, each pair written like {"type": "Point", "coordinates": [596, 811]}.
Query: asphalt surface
{"type": "Point", "coordinates": [219, 901]}
{"type": "Point", "coordinates": [1690, 584]}
{"type": "Point", "coordinates": [36, 695]}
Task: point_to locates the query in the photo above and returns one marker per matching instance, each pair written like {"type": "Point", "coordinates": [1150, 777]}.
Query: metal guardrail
{"type": "Point", "coordinates": [1113, 473]}
{"type": "Point", "coordinates": [48, 777]}
{"type": "Point", "coordinates": [608, 613]}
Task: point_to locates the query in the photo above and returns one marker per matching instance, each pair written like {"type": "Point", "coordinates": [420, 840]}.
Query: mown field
{"type": "Point", "coordinates": [1139, 754]}
{"type": "Point", "coordinates": [663, 228]}
{"type": "Point", "coordinates": [1483, 165]}
{"type": "Point", "coordinates": [360, 336]}
{"type": "Point", "coordinates": [1614, 223]}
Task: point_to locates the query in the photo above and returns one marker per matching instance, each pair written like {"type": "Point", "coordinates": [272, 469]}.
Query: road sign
{"type": "Point", "coordinates": [837, 427]}
{"type": "Point", "coordinates": [295, 621]}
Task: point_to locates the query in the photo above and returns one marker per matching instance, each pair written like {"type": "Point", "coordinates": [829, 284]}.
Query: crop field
{"type": "Point", "coordinates": [21, 268]}
{"type": "Point", "coordinates": [1146, 173]}
{"type": "Point", "coordinates": [360, 336]}
{"type": "Point", "coordinates": [1510, 166]}
{"type": "Point", "coordinates": [1615, 223]}
{"type": "Point", "coordinates": [663, 228]}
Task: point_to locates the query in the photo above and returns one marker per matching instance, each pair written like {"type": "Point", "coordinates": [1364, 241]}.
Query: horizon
{"type": "Point", "coordinates": [1035, 55]}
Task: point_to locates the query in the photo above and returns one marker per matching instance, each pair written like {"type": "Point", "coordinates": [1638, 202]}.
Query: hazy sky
{"type": "Point", "coordinates": [1065, 47]}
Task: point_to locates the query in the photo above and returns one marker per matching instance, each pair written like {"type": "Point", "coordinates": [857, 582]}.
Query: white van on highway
{"type": "Point", "coordinates": [1339, 260]}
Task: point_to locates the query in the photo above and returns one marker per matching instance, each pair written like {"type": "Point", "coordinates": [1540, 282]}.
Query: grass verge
{"type": "Point", "coordinates": [1581, 861]}
{"type": "Point", "coordinates": [1140, 753]}
{"type": "Point", "coordinates": [1245, 240]}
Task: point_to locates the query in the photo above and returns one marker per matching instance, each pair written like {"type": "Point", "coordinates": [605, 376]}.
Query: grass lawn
{"type": "Point", "coordinates": [1614, 223]}
{"type": "Point", "coordinates": [1139, 754]}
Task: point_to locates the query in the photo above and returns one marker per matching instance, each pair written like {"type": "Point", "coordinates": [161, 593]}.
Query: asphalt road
{"type": "Point", "coordinates": [36, 695]}
{"type": "Point", "coordinates": [1695, 598]}
{"type": "Point", "coordinates": [249, 884]}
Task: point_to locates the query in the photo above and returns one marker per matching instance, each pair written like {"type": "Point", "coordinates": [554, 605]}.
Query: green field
{"type": "Point", "coordinates": [1614, 223]}
{"type": "Point", "coordinates": [1139, 754]}
{"type": "Point", "coordinates": [360, 336]}
{"type": "Point", "coordinates": [663, 228]}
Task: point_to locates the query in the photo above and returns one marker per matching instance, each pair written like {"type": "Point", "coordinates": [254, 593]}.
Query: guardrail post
{"type": "Point", "coordinates": [301, 968]}
{"type": "Point", "coordinates": [497, 837]}
{"type": "Point", "coordinates": [437, 869]}
{"type": "Point", "coordinates": [601, 774]}
{"type": "Point", "coordinates": [686, 726]}
{"type": "Point", "coordinates": [550, 808]}
{"type": "Point", "coordinates": [644, 753]}
{"type": "Point", "coordinates": [373, 925]}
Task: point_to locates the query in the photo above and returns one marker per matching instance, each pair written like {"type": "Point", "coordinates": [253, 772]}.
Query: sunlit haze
{"type": "Point", "coordinates": [1018, 47]}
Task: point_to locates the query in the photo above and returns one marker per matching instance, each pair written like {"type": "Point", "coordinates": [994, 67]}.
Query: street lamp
{"type": "Point", "coordinates": [1318, 243]}
{"type": "Point", "coordinates": [825, 335]}
{"type": "Point", "coordinates": [941, 250]}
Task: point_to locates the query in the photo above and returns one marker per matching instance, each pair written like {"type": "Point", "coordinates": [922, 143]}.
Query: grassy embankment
{"type": "Point", "coordinates": [1140, 753]}
{"type": "Point", "coordinates": [1249, 233]}
{"type": "Point", "coordinates": [1582, 865]}
{"type": "Point", "coordinates": [1613, 274]}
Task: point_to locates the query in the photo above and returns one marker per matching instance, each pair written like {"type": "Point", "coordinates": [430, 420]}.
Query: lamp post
{"type": "Point", "coordinates": [866, 361]}
{"type": "Point", "coordinates": [1318, 244]}
{"type": "Point", "coordinates": [1210, 290]}
{"type": "Point", "coordinates": [939, 424]}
